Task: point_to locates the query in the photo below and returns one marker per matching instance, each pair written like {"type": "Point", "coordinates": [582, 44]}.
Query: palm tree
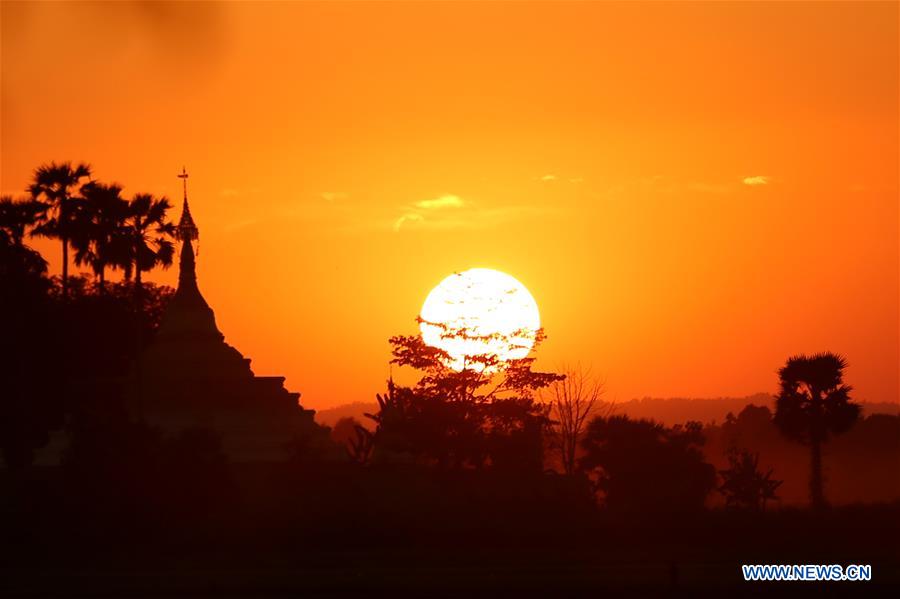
{"type": "Point", "coordinates": [813, 404]}
{"type": "Point", "coordinates": [149, 244]}
{"type": "Point", "coordinates": [99, 235]}
{"type": "Point", "coordinates": [148, 236]}
{"type": "Point", "coordinates": [53, 186]}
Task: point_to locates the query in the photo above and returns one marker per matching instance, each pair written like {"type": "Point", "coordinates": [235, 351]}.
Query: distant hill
{"type": "Point", "coordinates": [355, 410]}
{"type": "Point", "coordinates": [669, 411]}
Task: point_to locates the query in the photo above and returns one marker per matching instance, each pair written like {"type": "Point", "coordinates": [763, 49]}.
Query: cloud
{"type": "Point", "coordinates": [445, 201]}
{"type": "Point", "coordinates": [576, 180]}
{"type": "Point", "coordinates": [473, 217]}
{"type": "Point", "coordinates": [409, 217]}
{"type": "Point", "coordinates": [756, 180]}
{"type": "Point", "coordinates": [547, 178]}
{"type": "Point", "coordinates": [332, 196]}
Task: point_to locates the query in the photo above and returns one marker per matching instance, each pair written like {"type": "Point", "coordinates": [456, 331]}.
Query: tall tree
{"type": "Point", "coordinates": [149, 244]}
{"type": "Point", "coordinates": [149, 236]}
{"type": "Point", "coordinates": [99, 235]}
{"type": "Point", "coordinates": [813, 404]}
{"type": "Point", "coordinates": [55, 186]}
{"type": "Point", "coordinates": [573, 400]}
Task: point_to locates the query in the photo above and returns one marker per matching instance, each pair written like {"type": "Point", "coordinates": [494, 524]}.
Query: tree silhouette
{"type": "Point", "coordinates": [744, 484]}
{"type": "Point", "coordinates": [573, 399]}
{"type": "Point", "coordinates": [813, 404]}
{"type": "Point", "coordinates": [30, 390]}
{"type": "Point", "coordinates": [644, 468]}
{"type": "Point", "coordinates": [149, 236]}
{"type": "Point", "coordinates": [16, 217]}
{"type": "Point", "coordinates": [53, 185]}
{"type": "Point", "coordinates": [482, 414]}
{"type": "Point", "coordinates": [100, 237]}
{"type": "Point", "coordinates": [360, 446]}
{"type": "Point", "coordinates": [354, 438]}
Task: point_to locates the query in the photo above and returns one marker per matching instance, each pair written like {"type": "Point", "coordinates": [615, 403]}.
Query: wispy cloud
{"type": "Point", "coordinates": [408, 217]}
{"type": "Point", "coordinates": [445, 201]}
{"type": "Point", "coordinates": [334, 196]}
{"type": "Point", "coordinates": [452, 212]}
{"type": "Point", "coordinates": [756, 180]}
{"type": "Point", "coordinates": [416, 212]}
{"type": "Point", "coordinates": [550, 178]}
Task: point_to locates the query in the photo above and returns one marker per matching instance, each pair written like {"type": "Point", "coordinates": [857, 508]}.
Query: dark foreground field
{"type": "Point", "coordinates": [286, 530]}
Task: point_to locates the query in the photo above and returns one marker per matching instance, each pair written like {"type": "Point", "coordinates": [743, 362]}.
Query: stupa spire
{"type": "Point", "coordinates": [187, 231]}
{"type": "Point", "coordinates": [188, 293]}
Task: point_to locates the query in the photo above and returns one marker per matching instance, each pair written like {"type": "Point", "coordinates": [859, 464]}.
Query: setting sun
{"type": "Point", "coordinates": [480, 315]}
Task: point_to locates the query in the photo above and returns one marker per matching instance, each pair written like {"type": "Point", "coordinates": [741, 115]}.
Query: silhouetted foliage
{"type": "Point", "coordinates": [99, 234]}
{"type": "Point", "coordinates": [103, 325]}
{"type": "Point", "coordinates": [313, 446]}
{"type": "Point", "coordinates": [31, 352]}
{"type": "Point", "coordinates": [54, 186]}
{"type": "Point", "coordinates": [149, 235]}
{"type": "Point", "coordinates": [354, 438]}
{"type": "Point", "coordinates": [16, 217]}
{"type": "Point", "coordinates": [642, 467]}
{"type": "Point", "coordinates": [874, 441]}
{"type": "Point", "coordinates": [744, 485]}
{"type": "Point", "coordinates": [54, 349]}
{"type": "Point", "coordinates": [813, 404]}
{"type": "Point", "coordinates": [484, 414]}
{"type": "Point", "coordinates": [361, 445]}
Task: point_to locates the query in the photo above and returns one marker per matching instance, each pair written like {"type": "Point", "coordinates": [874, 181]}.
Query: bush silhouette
{"type": "Point", "coordinates": [642, 467]}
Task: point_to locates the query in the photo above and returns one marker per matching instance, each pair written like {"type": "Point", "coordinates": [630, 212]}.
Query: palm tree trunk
{"type": "Point", "coordinates": [65, 267]}
{"type": "Point", "coordinates": [816, 492]}
{"type": "Point", "coordinates": [138, 339]}
{"type": "Point", "coordinates": [138, 290]}
{"type": "Point", "coordinates": [102, 280]}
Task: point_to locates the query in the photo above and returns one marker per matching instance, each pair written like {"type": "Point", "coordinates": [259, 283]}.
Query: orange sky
{"type": "Point", "coordinates": [599, 153]}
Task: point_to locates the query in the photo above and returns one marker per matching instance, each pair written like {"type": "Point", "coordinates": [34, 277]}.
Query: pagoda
{"type": "Point", "coordinates": [193, 378]}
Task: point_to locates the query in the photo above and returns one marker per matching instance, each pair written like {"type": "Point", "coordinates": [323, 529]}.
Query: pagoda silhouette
{"type": "Point", "coordinates": [190, 377]}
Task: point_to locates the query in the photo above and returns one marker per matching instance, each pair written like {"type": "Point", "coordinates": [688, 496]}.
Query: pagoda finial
{"type": "Point", "coordinates": [187, 230]}
{"type": "Point", "coordinates": [184, 177]}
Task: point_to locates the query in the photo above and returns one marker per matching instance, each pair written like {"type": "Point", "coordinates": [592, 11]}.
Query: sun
{"type": "Point", "coordinates": [480, 313]}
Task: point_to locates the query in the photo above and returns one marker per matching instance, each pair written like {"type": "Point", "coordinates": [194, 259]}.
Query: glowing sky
{"type": "Point", "coordinates": [691, 191]}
